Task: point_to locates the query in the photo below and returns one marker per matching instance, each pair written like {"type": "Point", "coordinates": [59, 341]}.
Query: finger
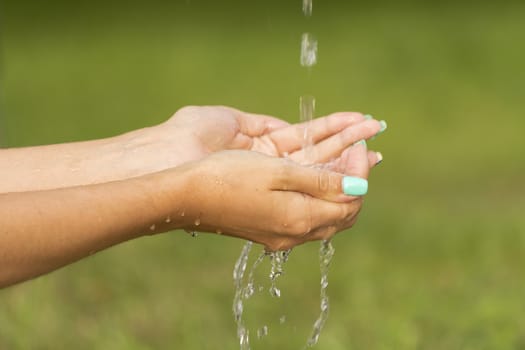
{"type": "Point", "coordinates": [319, 183]}
{"type": "Point", "coordinates": [354, 161]}
{"type": "Point", "coordinates": [333, 146]}
{"type": "Point", "coordinates": [327, 232]}
{"type": "Point", "coordinates": [305, 214]}
{"type": "Point", "coordinates": [291, 139]}
{"type": "Point", "coordinates": [254, 125]}
{"type": "Point", "coordinates": [334, 215]}
{"type": "Point", "coordinates": [374, 158]}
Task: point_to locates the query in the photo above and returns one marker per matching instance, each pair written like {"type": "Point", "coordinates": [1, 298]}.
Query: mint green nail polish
{"type": "Point", "coordinates": [383, 127]}
{"type": "Point", "coordinates": [368, 117]}
{"type": "Point", "coordinates": [354, 186]}
{"type": "Point", "coordinates": [361, 142]}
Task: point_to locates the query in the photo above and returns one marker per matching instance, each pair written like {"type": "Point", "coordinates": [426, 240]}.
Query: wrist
{"type": "Point", "coordinates": [153, 149]}
{"type": "Point", "coordinates": [168, 199]}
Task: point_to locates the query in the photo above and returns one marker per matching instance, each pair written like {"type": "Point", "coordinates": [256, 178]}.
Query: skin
{"type": "Point", "coordinates": [178, 175]}
{"type": "Point", "coordinates": [190, 134]}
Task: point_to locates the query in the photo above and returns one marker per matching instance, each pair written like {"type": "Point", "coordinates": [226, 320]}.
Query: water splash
{"type": "Point", "coordinates": [326, 253]}
{"type": "Point", "coordinates": [278, 259]}
{"type": "Point", "coordinates": [238, 306]}
{"type": "Point", "coordinates": [245, 287]}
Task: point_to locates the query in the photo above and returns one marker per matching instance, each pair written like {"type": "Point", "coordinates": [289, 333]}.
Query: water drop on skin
{"type": "Point", "coordinates": [219, 232]}
{"type": "Point", "coordinates": [152, 227]}
{"type": "Point", "coordinates": [182, 214]}
{"type": "Point", "coordinates": [168, 220]}
{"type": "Point", "coordinates": [197, 222]}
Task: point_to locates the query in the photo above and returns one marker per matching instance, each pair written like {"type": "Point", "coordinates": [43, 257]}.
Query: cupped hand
{"type": "Point", "coordinates": [268, 200]}
{"type": "Point", "coordinates": [195, 132]}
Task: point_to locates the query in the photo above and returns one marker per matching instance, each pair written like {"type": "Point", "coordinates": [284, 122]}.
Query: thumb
{"type": "Point", "coordinates": [322, 183]}
{"type": "Point", "coordinates": [354, 161]}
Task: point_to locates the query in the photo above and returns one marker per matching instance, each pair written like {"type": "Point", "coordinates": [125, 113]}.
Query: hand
{"type": "Point", "coordinates": [195, 132]}
{"type": "Point", "coordinates": [272, 201]}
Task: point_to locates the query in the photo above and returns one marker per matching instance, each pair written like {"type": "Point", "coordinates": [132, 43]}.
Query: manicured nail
{"type": "Point", "coordinates": [354, 186]}
{"type": "Point", "coordinates": [361, 142]}
{"type": "Point", "coordinates": [379, 158]}
{"type": "Point", "coordinates": [368, 117]}
{"type": "Point", "coordinates": [383, 127]}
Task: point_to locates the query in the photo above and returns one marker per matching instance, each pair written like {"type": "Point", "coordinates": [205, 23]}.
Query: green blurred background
{"type": "Point", "coordinates": [437, 259]}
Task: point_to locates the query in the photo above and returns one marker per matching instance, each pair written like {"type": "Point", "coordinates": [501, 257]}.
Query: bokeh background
{"type": "Point", "coordinates": [437, 259]}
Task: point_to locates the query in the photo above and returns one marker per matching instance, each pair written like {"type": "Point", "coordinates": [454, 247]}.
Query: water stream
{"type": "Point", "coordinates": [244, 283]}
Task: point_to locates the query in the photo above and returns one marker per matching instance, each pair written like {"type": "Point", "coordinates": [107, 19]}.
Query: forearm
{"type": "Point", "coordinates": [42, 231]}
{"type": "Point", "coordinates": [73, 164]}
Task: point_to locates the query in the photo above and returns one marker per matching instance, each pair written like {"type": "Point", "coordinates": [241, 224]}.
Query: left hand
{"type": "Point", "coordinates": [195, 132]}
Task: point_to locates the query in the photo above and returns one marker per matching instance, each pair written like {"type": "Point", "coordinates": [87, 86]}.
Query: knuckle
{"type": "Point", "coordinates": [188, 109]}
{"type": "Point", "coordinates": [300, 227]}
{"type": "Point", "coordinates": [282, 173]}
{"type": "Point", "coordinates": [323, 181]}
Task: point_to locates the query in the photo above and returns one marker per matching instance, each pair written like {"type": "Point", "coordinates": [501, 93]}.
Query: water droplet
{"type": "Point", "coordinates": [197, 222]}
{"type": "Point", "coordinates": [168, 220]}
{"type": "Point", "coordinates": [262, 332]}
{"type": "Point", "coordinates": [282, 319]}
{"type": "Point", "coordinates": [275, 292]}
{"type": "Point", "coordinates": [152, 227]}
{"type": "Point", "coordinates": [219, 232]}
{"type": "Point", "coordinates": [191, 233]}
{"type": "Point", "coordinates": [183, 213]}
{"type": "Point", "coordinates": [249, 290]}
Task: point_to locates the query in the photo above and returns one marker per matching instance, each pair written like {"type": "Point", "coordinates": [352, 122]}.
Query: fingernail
{"type": "Point", "coordinates": [383, 127]}
{"type": "Point", "coordinates": [354, 186]}
{"type": "Point", "coordinates": [361, 142]}
{"type": "Point", "coordinates": [381, 130]}
{"type": "Point", "coordinates": [368, 117]}
{"type": "Point", "coordinates": [379, 158]}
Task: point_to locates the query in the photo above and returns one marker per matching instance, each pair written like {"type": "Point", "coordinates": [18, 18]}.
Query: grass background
{"type": "Point", "coordinates": [436, 260]}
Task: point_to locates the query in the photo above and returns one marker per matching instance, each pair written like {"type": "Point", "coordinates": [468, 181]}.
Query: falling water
{"type": "Point", "coordinates": [278, 260]}
{"type": "Point", "coordinates": [238, 307]}
{"type": "Point", "coordinates": [307, 7]}
{"type": "Point", "coordinates": [245, 286]}
{"type": "Point", "coordinates": [307, 113]}
{"type": "Point", "coordinates": [326, 253]}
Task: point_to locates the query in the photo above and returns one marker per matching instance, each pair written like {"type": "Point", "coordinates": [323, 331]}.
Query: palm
{"type": "Point", "coordinates": [221, 128]}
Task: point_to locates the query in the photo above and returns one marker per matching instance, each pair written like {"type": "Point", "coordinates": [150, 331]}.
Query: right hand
{"type": "Point", "coordinates": [268, 200]}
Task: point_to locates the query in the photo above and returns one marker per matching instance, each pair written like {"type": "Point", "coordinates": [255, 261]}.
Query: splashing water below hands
{"type": "Point", "coordinates": [245, 288]}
